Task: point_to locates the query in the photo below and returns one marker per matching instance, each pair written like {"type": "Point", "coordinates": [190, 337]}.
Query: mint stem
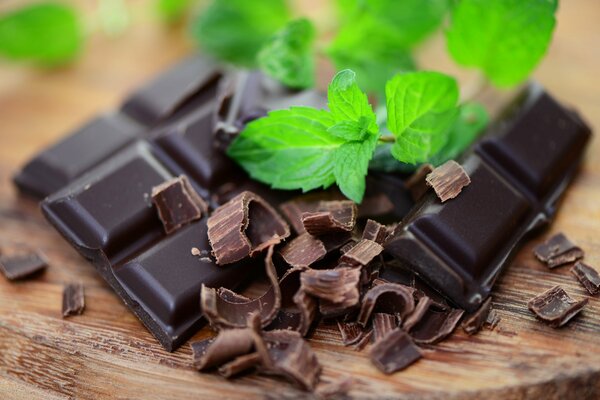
{"type": "Point", "coordinates": [387, 139]}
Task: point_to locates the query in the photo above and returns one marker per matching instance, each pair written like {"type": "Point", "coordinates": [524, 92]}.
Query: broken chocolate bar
{"type": "Point", "coordinates": [557, 251]}
{"type": "Point", "coordinates": [588, 276]}
{"type": "Point", "coordinates": [448, 180]}
{"type": "Point", "coordinates": [73, 300]}
{"type": "Point", "coordinates": [21, 263]}
{"type": "Point", "coordinates": [518, 172]}
{"type": "Point", "coordinates": [555, 307]}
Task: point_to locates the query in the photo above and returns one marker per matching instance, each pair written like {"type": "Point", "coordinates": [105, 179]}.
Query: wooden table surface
{"type": "Point", "coordinates": [107, 353]}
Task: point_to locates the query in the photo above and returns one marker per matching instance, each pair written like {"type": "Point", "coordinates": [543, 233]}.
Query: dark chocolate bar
{"type": "Point", "coordinates": [518, 173]}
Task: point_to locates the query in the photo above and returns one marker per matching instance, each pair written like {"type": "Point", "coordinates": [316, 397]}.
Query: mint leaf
{"type": "Point", "coordinates": [471, 121]}
{"type": "Point", "coordinates": [235, 30]}
{"type": "Point", "coordinates": [352, 130]}
{"type": "Point", "coordinates": [371, 49]}
{"type": "Point", "coordinates": [172, 10]}
{"type": "Point", "coordinates": [506, 39]}
{"type": "Point", "coordinates": [347, 102]}
{"type": "Point", "coordinates": [351, 164]}
{"type": "Point", "coordinates": [289, 57]}
{"type": "Point", "coordinates": [47, 33]}
{"type": "Point", "coordinates": [421, 108]}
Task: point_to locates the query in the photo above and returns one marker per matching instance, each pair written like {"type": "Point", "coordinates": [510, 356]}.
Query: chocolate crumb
{"type": "Point", "coordinates": [331, 216]}
{"type": "Point", "coordinates": [587, 276]}
{"type": "Point", "coordinates": [177, 203]}
{"type": "Point", "coordinates": [244, 226]}
{"type": "Point", "coordinates": [473, 323]}
{"type": "Point", "coordinates": [195, 251]}
{"type": "Point", "coordinates": [448, 180]}
{"type": "Point", "coordinates": [21, 263]}
{"type": "Point", "coordinates": [416, 184]}
{"type": "Point", "coordinates": [73, 300]}
{"type": "Point", "coordinates": [557, 251]}
{"type": "Point", "coordinates": [394, 352]}
{"type": "Point", "coordinates": [555, 307]}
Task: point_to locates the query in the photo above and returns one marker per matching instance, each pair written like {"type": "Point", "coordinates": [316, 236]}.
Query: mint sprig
{"type": "Point", "coordinates": [47, 33]}
{"type": "Point", "coordinates": [506, 39]}
{"type": "Point", "coordinates": [305, 148]}
{"type": "Point", "coordinates": [289, 57]}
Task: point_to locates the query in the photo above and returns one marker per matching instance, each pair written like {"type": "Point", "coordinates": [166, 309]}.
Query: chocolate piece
{"type": "Point", "coordinates": [557, 251]}
{"type": "Point", "coordinates": [435, 324]}
{"type": "Point", "coordinates": [394, 352]}
{"type": "Point", "coordinates": [364, 340]}
{"type": "Point", "coordinates": [555, 307]}
{"type": "Point", "coordinates": [303, 251]}
{"type": "Point", "coordinates": [588, 276]}
{"type": "Point", "coordinates": [473, 323]}
{"type": "Point", "coordinates": [21, 263]}
{"type": "Point", "coordinates": [226, 309]}
{"type": "Point", "coordinates": [383, 323]}
{"type": "Point", "coordinates": [362, 253]}
{"type": "Point", "coordinates": [492, 320]}
{"type": "Point", "coordinates": [518, 173]}
{"type": "Point", "coordinates": [170, 91]}
{"type": "Point", "coordinates": [390, 298]}
{"type": "Point", "coordinates": [76, 154]}
{"type": "Point", "coordinates": [73, 300]}
{"type": "Point", "coordinates": [375, 231]}
{"type": "Point", "coordinates": [423, 305]}
{"type": "Point", "coordinates": [229, 344]}
{"type": "Point", "coordinates": [338, 388]}
{"type": "Point", "coordinates": [331, 216]}
{"type": "Point", "coordinates": [177, 203]}
{"type": "Point", "coordinates": [339, 286]}
{"type": "Point", "coordinates": [239, 365]}
{"type": "Point", "coordinates": [416, 184]}
{"type": "Point", "coordinates": [351, 332]}
{"type": "Point", "coordinates": [448, 180]}
{"type": "Point", "coordinates": [243, 227]}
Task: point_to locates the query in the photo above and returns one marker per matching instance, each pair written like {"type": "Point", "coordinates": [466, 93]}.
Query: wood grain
{"type": "Point", "coordinates": [107, 353]}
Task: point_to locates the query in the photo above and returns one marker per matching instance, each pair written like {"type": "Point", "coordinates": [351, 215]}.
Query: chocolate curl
{"type": "Point", "coordinates": [226, 309]}
{"type": "Point", "coordinates": [448, 180]}
{"type": "Point", "coordinates": [339, 286]}
{"type": "Point", "coordinates": [383, 323]}
{"type": "Point", "coordinates": [177, 203]}
{"type": "Point", "coordinates": [228, 344]}
{"type": "Point", "coordinates": [394, 352]}
{"type": "Point", "coordinates": [361, 254]}
{"type": "Point", "coordinates": [244, 226]}
{"type": "Point", "coordinates": [351, 332]}
{"type": "Point", "coordinates": [474, 322]}
{"type": "Point", "coordinates": [375, 231]}
{"type": "Point", "coordinates": [330, 217]}
{"type": "Point", "coordinates": [239, 365]}
{"type": "Point", "coordinates": [435, 324]}
{"type": "Point", "coordinates": [391, 298]}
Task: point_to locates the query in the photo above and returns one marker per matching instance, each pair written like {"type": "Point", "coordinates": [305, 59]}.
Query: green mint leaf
{"type": "Point", "coordinates": [235, 30]}
{"type": "Point", "coordinates": [172, 10]}
{"type": "Point", "coordinates": [347, 102]}
{"type": "Point", "coordinates": [421, 107]}
{"type": "Point", "coordinates": [506, 39]}
{"type": "Point", "coordinates": [472, 120]}
{"type": "Point", "coordinates": [352, 130]}
{"type": "Point", "coordinates": [289, 149]}
{"type": "Point", "coordinates": [289, 56]}
{"type": "Point", "coordinates": [351, 164]}
{"type": "Point", "coordinates": [47, 33]}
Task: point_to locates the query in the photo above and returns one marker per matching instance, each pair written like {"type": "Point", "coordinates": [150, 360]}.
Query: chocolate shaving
{"type": "Point", "coordinates": [383, 323]}
{"type": "Point", "coordinates": [331, 216]}
{"type": "Point", "coordinates": [293, 209]}
{"type": "Point", "coordinates": [73, 300]}
{"type": "Point", "coordinates": [362, 254]}
{"type": "Point", "coordinates": [228, 345]}
{"type": "Point", "coordinates": [364, 341]}
{"type": "Point", "coordinates": [435, 324]}
{"type": "Point", "coordinates": [447, 180]}
{"type": "Point", "coordinates": [286, 354]}
{"type": "Point", "coordinates": [351, 332]}
{"type": "Point", "coordinates": [492, 320]}
{"type": "Point", "coordinates": [303, 251]}
{"type": "Point", "coordinates": [239, 365]}
{"type": "Point", "coordinates": [226, 309]}
{"type": "Point", "coordinates": [587, 276]}
{"type": "Point", "coordinates": [557, 251]}
{"type": "Point", "coordinates": [243, 227]}
{"type": "Point", "coordinates": [21, 263]}
{"type": "Point", "coordinates": [339, 286]}
{"type": "Point", "coordinates": [391, 298]}
{"type": "Point", "coordinates": [555, 307]}
{"type": "Point", "coordinates": [473, 323]}
{"type": "Point", "coordinates": [421, 308]}
{"type": "Point", "coordinates": [177, 203]}
{"type": "Point", "coordinates": [394, 352]}
{"type": "Point", "coordinates": [416, 184]}
{"type": "Point", "coordinates": [375, 231]}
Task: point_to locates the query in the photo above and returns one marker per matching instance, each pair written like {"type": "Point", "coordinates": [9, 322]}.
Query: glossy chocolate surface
{"type": "Point", "coordinates": [518, 173]}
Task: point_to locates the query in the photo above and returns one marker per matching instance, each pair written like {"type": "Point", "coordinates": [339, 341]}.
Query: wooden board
{"type": "Point", "coordinates": [107, 353]}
